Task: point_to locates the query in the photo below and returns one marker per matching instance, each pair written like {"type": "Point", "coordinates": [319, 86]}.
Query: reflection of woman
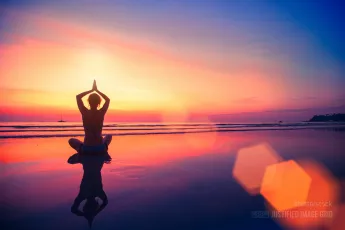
{"type": "Point", "coordinates": [91, 186]}
{"type": "Point", "coordinates": [93, 123]}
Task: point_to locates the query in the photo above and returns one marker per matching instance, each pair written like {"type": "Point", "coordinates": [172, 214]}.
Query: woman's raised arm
{"type": "Point", "coordinates": [107, 101]}
{"type": "Point", "coordinates": [80, 103]}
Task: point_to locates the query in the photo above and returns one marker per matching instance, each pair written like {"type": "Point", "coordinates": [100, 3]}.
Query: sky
{"type": "Point", "coordinates": [173, 60]}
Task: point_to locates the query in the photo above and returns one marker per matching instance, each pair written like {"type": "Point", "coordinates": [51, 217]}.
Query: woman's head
{"type": "Point", "coordinates": [94, 100]}
{"type": "Point", "coordinates": [90, 206]}
{"type": "Point", "coordinates": [90, 209]}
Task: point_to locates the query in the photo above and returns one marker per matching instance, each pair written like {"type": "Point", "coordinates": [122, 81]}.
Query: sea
{"type": "Point", "coordinates": [70, 129]}
{"type": "Point", "coordinates": [168, 176]}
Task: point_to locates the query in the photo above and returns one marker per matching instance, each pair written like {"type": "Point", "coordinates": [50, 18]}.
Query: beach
{"type": "Point", "coordinates": [159, 181]}
{"type": "Point", "coordinates": [172, 115]}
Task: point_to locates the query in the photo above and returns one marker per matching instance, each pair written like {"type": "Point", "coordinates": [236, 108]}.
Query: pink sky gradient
{"type": "Point", "coordinates": [48, 61]}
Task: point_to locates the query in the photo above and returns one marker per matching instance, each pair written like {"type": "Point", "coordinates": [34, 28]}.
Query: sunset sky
{"type": "Point", "coordinates": [162, 59]}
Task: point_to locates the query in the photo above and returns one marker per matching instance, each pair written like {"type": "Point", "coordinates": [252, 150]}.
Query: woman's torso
{"type": "Point", "coordinates": [91, 184]}
{"type": "Point", "coordinates": [93, 124]}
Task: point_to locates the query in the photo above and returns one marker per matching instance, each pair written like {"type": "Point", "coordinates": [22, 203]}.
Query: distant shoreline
{"type": "Point", "coordinates": [336, 117]}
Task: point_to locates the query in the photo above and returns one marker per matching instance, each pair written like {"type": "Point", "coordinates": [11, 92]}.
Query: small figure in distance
{"type": "Point", "coordinates": [93, 123]}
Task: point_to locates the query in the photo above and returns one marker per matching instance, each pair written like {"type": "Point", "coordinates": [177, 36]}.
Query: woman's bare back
{"type": "Point", "coordinates": [92, 118]}
{"type": "Point", "coordinates": [93, 124]}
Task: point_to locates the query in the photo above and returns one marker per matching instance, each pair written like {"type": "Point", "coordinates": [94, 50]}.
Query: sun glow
{"type": "Point", "coordinates": [92, 64]}
{"type": "Point", "coordinates": [60, 58]}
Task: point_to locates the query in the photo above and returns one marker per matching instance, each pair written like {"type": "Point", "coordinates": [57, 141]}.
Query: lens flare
{"type": "Point", "coordinates": [250, 166]}
{"type": "Point", "coordinates": [339, 218]}
{"type": "Point", "coordinates": [285, 184]}
{"type": "Point", "coordinates": [323, 198]}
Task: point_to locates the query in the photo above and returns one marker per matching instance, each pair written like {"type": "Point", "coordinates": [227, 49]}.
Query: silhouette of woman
{"type": "Point", "coordinates": [91, 186]}
{"type": "Point", "coordinates": [93, 123]}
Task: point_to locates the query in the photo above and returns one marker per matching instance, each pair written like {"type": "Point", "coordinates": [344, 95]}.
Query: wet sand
{"type": "Point", "coordinates": [153, 182]}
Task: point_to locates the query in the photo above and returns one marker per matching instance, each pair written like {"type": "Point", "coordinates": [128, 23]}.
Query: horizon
{"type": "Point", "coordinates": [215, 60]}
{"type": "Point", "coordinates": [214, 118]}
{"type": "Point", "coordinates": [172, 114]}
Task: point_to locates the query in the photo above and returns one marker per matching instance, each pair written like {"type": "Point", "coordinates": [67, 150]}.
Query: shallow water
{"type": "Point", "coordinates": [69, 129]}
{"type": "Point", "coordinates": [181, 181]}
